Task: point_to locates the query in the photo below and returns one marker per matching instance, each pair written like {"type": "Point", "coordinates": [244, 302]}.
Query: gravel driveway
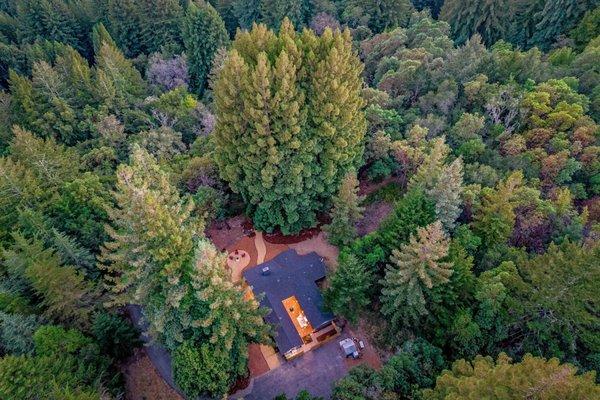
{"type": "Point", "coordinates": [315, 371]}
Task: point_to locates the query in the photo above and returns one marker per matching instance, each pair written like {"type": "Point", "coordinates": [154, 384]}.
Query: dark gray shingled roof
{"type": "Point", "coordinates": [290, 274]}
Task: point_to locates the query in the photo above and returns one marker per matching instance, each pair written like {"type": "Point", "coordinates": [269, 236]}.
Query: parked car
{"type": "Point", "coordinates": [349, 348]}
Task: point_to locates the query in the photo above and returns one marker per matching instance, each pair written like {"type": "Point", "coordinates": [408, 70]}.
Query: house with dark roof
{"type": "Point", "coordinates": [288, 285]}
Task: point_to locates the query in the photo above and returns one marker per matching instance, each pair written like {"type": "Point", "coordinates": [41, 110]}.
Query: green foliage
{"type": "Point", "coordinates": [115, 335]}
{"type": "Point", "coordinates": [290, 127]}
{"type": "Point", "coordinates": [349, 286]}
{"type": "Point", "coordinates": [346, 212]}
{"type": "Point", "coordinates": [555, 18]}
{"type": "Point", "coordinates": [203, 33]}
{"type": "Point", "coordinates": [360, 383]}
{"type": "Point", "coordinates": [414, 367]}
{"type": "Point", "coordinates": [55, 341]}
{"type": "Point", "coordinates": [415, 267]}
{"type": "Point", "coordinates": [57, 20]}
{"type": "Point", "coordinates": [483, 377]}
{"type": "Point", "coordinates": [414, 210]}
{"type": "Point", "coordinates": [30, 378]}
{"type": "Point", "coordinates": [145, 26]}
{"type": "Point", "coordinates": [587, 29]}
{"type": "Point", "coordinates": [571, 270]}
{"type": "Point", "coordinates": [277, 103]}
{"type": "Point", "coordinates": [376, 15]}
{"type": "Point", "coordinates": [66, 365]}
{"type": "Point", "coordinates": [495, 218]}
{"type": "Point", "coordinates": [273, 12]}
{"type": "Point", "coordinates": [119, 84]}
{"type": "Point", "coordinates": [302, 395]}
{"type": "Point", "coordinates": [487, 18]}
{"type": "Point", "coordinates": [151, 244]}
{"type": "Point", "coordinates": [80, 210]}
{"type": "Point", "coordinates": [225, 318]}
{"type": "Point", "coordinates": [380, 170]}
{"type": "Point", "coordinates": [203, 369]}
{"type": "Point", "coordinates": [388, 193]}
{"type": "Point", "coordinates": [64, 294]}
{"type": "Point", "coordinates": [16, 333]}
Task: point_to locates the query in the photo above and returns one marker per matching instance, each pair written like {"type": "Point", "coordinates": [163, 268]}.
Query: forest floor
{"type": "Point", "coordinates": [373, 215]}
{"type": "Point", "coordinates": [319, 245]}
{"type": "Point", "coordinates": [142, 381]}
{"type": "Point", "coordinates": [225, 233]}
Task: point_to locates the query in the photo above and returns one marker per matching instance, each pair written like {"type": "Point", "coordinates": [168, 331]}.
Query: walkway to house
{"type": "Point", "coordinates": [261, 248]}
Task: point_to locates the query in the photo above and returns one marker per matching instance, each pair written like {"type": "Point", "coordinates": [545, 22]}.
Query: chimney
{"type": "Point", "coordinates": [266, 271]}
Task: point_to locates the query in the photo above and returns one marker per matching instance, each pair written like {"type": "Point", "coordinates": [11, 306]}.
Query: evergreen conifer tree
{"type": "Point", "coordinates": [415, 268]}
{"type": "Point", "coordinates": [151, 245]}
{"type": "Point", "coordinates": [246, 12]}
{"type": "Point", "coordinates": [447, 194]}
{"type": "Point", "coordinates": [488, 18]}
{"type": "Point", "coordinates": [124, 22]}
{"type": "Point", "coordinates": [225, 317]}
{"type": "Point", "coordinates": [346, 212]}
{"type": "Point", "coordinates": [289, 122]}
{"type": "Point", "coordinates": [203, 33]}
{"type": "Point", "coordinates": [494, 219]}
{"type": "Point", "coordinates": [65, 295]}
{"type": "Point", "coordinates": [348, 291]}
{"type": "Point", "coordinates": [274, 11]}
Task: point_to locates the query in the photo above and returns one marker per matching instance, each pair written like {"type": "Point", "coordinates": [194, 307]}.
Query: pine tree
{"type": "Point", "coordinates": [65, 295]}
{"type": "Point", "coordinates": [203, 33]}
{"type": "Point", "coordinates": [558, 295]}
{"type": "Point", "coordinates": [441, 182]}
{"type": "Point", "coordinates": [118, 84]}
{"type": "Point", "coordinates": [99, 36]}
{"type": "Point", "coordinates": [151, 245]}
{"type": "Point", "coordinates": [488, 18]}
{"type": "Point", "coordinates": [557, 17]}
{"type": "Point", "coordinates": [494, 219]}
{"type": "Point", "coordinates": [52, 103]}
{"type": "Point", "coordinates": [413, 211]}
{"type": "Point", "coordinates": [246, 12]}
{"type": "Point", "coordinates": [274, 11]}
{"type": "Point", "coordinates": [289, 122]}
{"type": "Point", "coordinates": [431, 167]}
{"type": "Point", "coordinates": [201, 369]}
{"type": "Point", "coordinates": [19, 188]}
{"type": "Point", "coordinates": [346, 212]}
{"type": "Point", "coordinates": [447, 194]}
{"type": "Point", "coordinates": [377, 15]}
{"type": "Point", "coordinates": [160, 25]}
{"type": "Point", "coordinates": [124, 22]}
{"type": "Point", "coordinates": [226, 321]}
{"type": "Point", "coordinates": [348, 291]}
{"type": "Point", "coordinates": [53, 20]}
{"type": "Point", "coordinates": [415, 268]}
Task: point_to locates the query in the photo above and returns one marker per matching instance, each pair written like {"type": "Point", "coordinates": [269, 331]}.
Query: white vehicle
{"type": "Point", "coordinates": [349, 348]}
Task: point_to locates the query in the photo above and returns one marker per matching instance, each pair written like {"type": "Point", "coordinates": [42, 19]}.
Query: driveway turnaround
{"type": "Point", "coordinates": [314, 371]}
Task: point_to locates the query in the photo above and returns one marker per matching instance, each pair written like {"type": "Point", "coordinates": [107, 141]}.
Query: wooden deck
{"type": "Point", "coordinates": [294, 311]}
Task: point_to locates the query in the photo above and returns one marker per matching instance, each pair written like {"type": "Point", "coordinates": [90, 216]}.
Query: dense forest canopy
{"type": "Point", "coordinates": [129, 127]}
